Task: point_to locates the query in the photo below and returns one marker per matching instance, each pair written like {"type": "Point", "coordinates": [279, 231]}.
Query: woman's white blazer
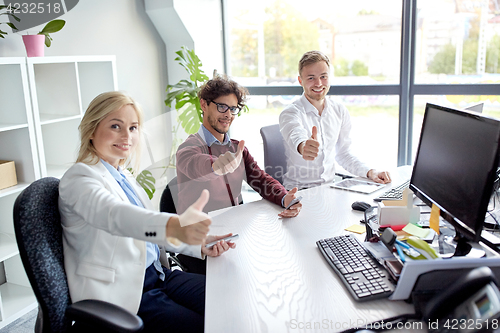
{"type": "Point", "coordinates": [104, 236]}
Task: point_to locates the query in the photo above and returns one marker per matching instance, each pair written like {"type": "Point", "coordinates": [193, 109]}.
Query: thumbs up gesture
{"type": "Point", "coordinates": [228, 162]}
{"type": "Point", "coordinates": [192, 226]}
{"type": "Point", "coordinates": [309, 149]}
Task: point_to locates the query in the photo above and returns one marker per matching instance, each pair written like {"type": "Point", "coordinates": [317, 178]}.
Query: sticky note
{"type": "Point", "coordinates": [356, 228]}
{"type": "Point", "coordinates": [434, 219]}
{"type": "Point", "coordinates": [414, 230]}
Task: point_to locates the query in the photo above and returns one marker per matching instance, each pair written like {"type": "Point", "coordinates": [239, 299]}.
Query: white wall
{"type": "Point", "coordinates": [196, 24]}
{"type": "Point", "coordinates": [111, 27]}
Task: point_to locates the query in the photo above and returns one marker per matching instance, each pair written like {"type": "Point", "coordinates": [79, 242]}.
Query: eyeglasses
{"type": "Point", "coordinates": [222, 108]}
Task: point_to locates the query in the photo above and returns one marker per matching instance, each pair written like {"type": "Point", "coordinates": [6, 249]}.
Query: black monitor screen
{"type": "Point", "coordinates": [455, 166]}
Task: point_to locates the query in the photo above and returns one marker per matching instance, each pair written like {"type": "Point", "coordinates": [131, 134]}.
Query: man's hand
{"type": "Point", "coordinates": [382, 177]}
{"type": "Point", "coordinates": [295, 209]}
{"type": "Point", "coordinates": [309, 149]}
{"type": "Point", "coordinates": [191, 227]}
{"type": "Point", "coordinates": [228, 162]}
{"type": "Point", "coordinates": [219, 248]}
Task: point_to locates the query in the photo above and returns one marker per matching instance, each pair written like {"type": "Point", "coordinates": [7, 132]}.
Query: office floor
{"type": "Point", "coordinates": [25, 324]}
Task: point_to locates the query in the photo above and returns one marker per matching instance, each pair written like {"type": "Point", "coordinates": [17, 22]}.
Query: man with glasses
{"type": "Point", "coordinates": [211, 160]}
{"type": "Point", "coordinates": [316, 131]}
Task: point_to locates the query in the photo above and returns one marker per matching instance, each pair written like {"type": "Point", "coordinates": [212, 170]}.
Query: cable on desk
{"type": "Point", "coordinates": [496, 196]}
{"type": "Point", "coordinates": [494, 218]}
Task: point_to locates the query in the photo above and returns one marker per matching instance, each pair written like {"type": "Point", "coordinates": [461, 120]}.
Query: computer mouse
{"type": "Point", "coordinates": [360, 205]}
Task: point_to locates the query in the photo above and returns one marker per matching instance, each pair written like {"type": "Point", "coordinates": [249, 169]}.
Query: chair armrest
{"type": "Point", "coordinates": [100, 314]}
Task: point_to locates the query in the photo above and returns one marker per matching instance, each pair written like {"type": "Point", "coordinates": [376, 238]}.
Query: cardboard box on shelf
{"type": "Point", "coordinates": [7, 174]}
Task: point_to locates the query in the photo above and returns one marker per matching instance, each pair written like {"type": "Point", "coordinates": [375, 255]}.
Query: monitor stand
{"type": "Point", "coordinates": [459, 246]}
{"type": "Point", "coordinates": [466, 248]}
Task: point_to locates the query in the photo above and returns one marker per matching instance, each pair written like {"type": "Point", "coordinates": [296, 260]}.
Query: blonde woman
{"type": "Point", "coordinates": [114, 243]}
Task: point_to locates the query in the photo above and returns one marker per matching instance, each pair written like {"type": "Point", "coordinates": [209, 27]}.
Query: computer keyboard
{"type": "Point", "coordinates": [395, 193]}
{"type": "Point", "coordinates": [362, 275]}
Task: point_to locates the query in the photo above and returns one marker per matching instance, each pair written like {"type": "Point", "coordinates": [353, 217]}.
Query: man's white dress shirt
{"type": "Point", "coordinates": [334, 127]}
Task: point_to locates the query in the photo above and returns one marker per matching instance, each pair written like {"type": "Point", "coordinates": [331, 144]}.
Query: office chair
{"type": "Point", "coordinates": [38, 230]}
{"type": "Point", "coordinates": [274, 152]}
{"type": "Point", "coordinates": [167, 205]}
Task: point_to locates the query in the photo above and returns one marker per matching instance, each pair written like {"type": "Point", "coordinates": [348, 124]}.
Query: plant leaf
{"type": "Point", "coordinates": [48, 40]}
{"type": "Point", "coordinates": [185, 92]}
{"type": "Point", "coordinates": [147, 182]}
{"type": "Point", "coordinates": [52, 26]}
{"type": "Point", "coordinates": [189, 119]}
{"type": "Point", "coordinates": [15, 17]}
{"type": "Point", "coordinates": [11, 25]}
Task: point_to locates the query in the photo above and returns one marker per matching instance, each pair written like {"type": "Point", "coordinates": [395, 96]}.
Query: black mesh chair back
{"type": "Point", "coordinates": [167, 203]}
{"type": "Point", "coordinates": [37, 225]}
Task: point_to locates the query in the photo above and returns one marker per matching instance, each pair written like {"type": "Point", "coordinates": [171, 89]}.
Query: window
{"type": "Point", "coordinates": [267, 38]}
{"type": "Point", "coordinates": [458, 42]}
{"type": "Point", "coordinates": [450, 55]}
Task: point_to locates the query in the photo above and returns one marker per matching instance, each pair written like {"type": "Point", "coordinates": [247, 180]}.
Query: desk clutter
{"type": "Point", "coordinates": [398, 262]}
{"type": "Point", "coordinates": [388, 251]}
{"type": "Point", "coordinates": [371, 270]}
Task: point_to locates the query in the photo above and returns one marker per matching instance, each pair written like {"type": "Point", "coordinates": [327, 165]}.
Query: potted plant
{"type": "Point", "coordinates": [34, 43]}
{"type": "Point", "coordinates": [8, 13]}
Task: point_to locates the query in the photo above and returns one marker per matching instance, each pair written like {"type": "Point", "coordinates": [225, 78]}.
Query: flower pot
{"type": "Point", "coordinates": [35, 45]}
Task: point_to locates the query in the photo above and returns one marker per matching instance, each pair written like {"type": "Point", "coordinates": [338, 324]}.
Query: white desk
{"type": "Point", "coordinates": [276, 280]}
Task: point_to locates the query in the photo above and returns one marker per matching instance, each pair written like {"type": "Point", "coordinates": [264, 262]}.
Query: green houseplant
{"type": "Point", "coordinates": [5, 11]}
{"type": "Point", "coordinates": [185, 92]}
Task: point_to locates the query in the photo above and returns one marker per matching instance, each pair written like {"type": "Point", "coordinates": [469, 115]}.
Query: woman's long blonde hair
{"type": "Point", "coordinates": [98, 109]}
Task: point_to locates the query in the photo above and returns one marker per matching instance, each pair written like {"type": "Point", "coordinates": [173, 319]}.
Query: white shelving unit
{"type": "Point", "coordinates": [63, 88]}
{"type": "Point", "coordinates": [42, 103]}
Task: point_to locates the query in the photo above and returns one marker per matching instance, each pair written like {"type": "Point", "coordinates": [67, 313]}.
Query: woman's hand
{"type": "Point", "coordinates": [191, 227]}
{"type": "Point", "coordinates": [219, 248]}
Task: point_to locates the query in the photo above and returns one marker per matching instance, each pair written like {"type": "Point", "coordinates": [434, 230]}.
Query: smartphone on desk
{"type": "Point", "coordinates": [232, 237]}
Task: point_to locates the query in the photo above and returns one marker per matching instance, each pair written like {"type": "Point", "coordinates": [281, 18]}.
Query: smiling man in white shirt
{"type": "Point", "coordinates": [316, 131]}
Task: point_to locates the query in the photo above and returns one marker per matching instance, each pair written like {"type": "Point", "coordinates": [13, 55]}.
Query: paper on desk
{"type": "Point", "coordinates": [356, 228]}
{"type": "Point", "coordinates": [414, 230]}
{"type": "Point", "coordinates": [412, 270]}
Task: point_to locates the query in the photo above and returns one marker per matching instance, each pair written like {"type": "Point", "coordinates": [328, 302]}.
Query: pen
{"type": "Point", "coordinates": [344, 176]}
{"type": "Point", "coordinates": [400, 252]}
{"type": "Point", "coordinates": [403, 244]}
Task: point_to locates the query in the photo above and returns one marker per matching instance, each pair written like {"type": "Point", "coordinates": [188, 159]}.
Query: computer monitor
{"type": "Point", "coordinates": [455, 166]}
